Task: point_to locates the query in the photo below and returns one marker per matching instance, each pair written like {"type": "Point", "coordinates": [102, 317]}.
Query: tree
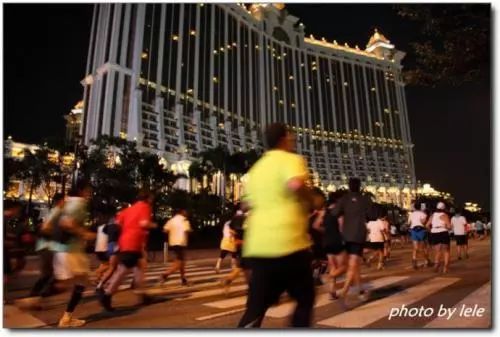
{"type": "Point", "coordinates": [455, 42]}
{"type": "Point", "coordinates": [37, 168]}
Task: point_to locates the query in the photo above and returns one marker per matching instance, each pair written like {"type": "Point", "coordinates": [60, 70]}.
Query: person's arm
{"type": "Point", "coordinates": [341, 223]}
{"type": "Point", "coordinates": [318, 222]}
{"type": "Point", "coordinates": [69, 224]}
{"type": "Point", "coordinates": [429, 222]}
{"type": "Point", "coordinates": [296, 175]}
{"type": "Point", "coordinates": [446, 220]}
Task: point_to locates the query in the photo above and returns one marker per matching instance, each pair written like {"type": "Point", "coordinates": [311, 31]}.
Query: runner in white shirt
{"type": "Point", "coordinates": [458, 223]}
{"type": "Point", "coordinates": [177, 228]}
{"type": "Point", "coordinates": [418, 233]}
{"type": "Point", "coordinates": [376, 236]}
{"type": "Point", "coordinates": [439, 223]}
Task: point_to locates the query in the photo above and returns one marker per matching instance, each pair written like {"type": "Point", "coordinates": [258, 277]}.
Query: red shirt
{"type": "Point", "coordinates": [133, 236]}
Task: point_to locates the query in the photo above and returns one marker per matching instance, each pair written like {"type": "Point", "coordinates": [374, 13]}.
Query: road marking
{"type": "Point", "coordinates": [286, 309]}
{"type": "Point", "coordinates": [212, 292]}
{"type": "Point", "coordinates": [482, 298]}
{"type": "Point", "coordinates": [193, 272]}
{"type": "Point", "coordinates": [220, 314]}
{"type": "Point", "coordinates": [371, 312]}
{"type": "Point", "coordinates": [229, 303]}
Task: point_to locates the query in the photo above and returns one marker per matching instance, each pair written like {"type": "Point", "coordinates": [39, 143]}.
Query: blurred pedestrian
{"type": "Point", "coordinates": [277, 243]}
{"type": "Point", "coordinates": [458, 223]}
{"type": "Point", "coordinates": [178, 229]}
{"type": "Point", "coordinates": [439, 224]}
{"type": "Point", "coordinates": [357, 209]}
{"type": "Point", "coordinates": [71, 263]}
{"type": "Point", "coordinates": [227, 245]}
{"type": "Point", "coordinates": [333, 243]}
{"type": "Point", "coordinates": [417, 220]}
{"type": "Point", "coordinates": [134, 222]}
{"type": "Point", "coordinates": [44, 247]}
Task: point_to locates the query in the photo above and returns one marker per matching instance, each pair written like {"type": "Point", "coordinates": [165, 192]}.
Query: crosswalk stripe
{"type": "Point", "coordinates": [373, 311]}
{"type": "Point", "coordinates": [212, 292]}
{"type": "Point", "coordinates": [237, 301]}
{"type": "Point", "coordinates": [286, 309]}
{"type": "Point", "coordinates": [219, 314]}
{"type": "Point", "coordinates": [229, 303]}
{"type": "Point", "coordinates": [482, 298]}
{"type": "Point", "coordinates": [193, 271]}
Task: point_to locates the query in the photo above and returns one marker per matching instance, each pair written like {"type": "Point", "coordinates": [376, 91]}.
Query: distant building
{"type": "Point", "coordinates": [181, 78]}
{"type": "Point", "coordinates": [73, 123]}
{"type": "Point", "coordinates": [18, 189]}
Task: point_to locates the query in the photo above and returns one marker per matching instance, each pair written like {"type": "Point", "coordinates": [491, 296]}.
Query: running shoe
{"type": "Point", "coordinates": [70, 323]}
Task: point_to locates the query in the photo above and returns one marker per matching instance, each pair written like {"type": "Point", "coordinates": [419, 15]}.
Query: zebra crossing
{"type": "Point", "coordinates": [198, 276]}
{"type": "Point", "coordinates": [402, 291]}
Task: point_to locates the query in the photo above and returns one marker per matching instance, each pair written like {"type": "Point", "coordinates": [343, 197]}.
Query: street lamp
{"type": "Point", "coordinates": [76, 166]}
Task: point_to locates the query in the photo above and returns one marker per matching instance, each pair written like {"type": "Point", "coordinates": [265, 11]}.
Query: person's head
{"type": "Point", "coordinates": [441, 206]}
{"type": "Point", "coordinates": [458, 212]}
{"type": "Point", "coordinates": [81, 189]}
{"type": "Point", "coordinates": [57, 200]}
{"type": "Point", "coordinates": [332, 199]}
{"type": "Point", "coordinates": [354, 185]}
{"type": "Point", "coordinates": [146, 196]}
{"type": "Point", "coordinates": [279, 137]}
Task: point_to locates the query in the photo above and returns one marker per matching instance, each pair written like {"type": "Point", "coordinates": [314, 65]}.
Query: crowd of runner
{"type": "Point", "coordinates": [285, 236]}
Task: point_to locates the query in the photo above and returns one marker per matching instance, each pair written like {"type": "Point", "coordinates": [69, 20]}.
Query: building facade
{"type": "Point", "coordinates": [181, 78]}
{"type": "Point", "coordinates": [74, 123]}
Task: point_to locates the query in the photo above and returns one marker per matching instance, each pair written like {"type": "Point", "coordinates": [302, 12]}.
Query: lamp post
{"type": "Point", "coordinates": [76, 149]}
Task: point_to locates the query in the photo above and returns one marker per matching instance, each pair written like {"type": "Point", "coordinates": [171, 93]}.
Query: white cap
{"type": "Point", "coordinates": [441, 205]}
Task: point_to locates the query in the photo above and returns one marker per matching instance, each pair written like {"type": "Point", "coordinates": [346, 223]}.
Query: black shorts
{"type": "Point", "coordinates": [480, 232]}
{"type": "Point", "coordinates": [102, 256]}
{"type": "Point", "coordinates": [224, 252]}
{"type": "Point", "coordinates": [179, 252]}
{"type": "Point", "coordinates": [129, 259]}
{"type": "Point", "coordinates": [334, 249]}
{"type": "Point", "coordinates": [375, 245]}
{"type": "Point", "coordinates": [461, 240]}
{"type": "Point", "coordinates": [439, 238]}
{"type": "Point", "coordinates": [354, 248]}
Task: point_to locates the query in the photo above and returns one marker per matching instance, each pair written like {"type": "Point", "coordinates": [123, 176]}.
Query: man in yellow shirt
{"type": "Point", "coordinates": [276, 241]}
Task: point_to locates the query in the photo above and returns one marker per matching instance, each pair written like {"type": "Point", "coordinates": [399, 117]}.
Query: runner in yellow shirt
{"type": "Point", "coordinates": [276, 242]}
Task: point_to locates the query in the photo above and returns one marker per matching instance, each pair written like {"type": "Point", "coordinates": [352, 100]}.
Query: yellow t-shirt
{"type": "Point", "coordinates": [277, 223]}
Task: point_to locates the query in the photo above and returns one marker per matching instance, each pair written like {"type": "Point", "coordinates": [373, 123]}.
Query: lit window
{"type": "Point", "coordinates": [346, 84]}
{"type": "Point", "coordinates": [144, 55]}
{"type": "Point", "coordinates": [193, 32]}
{"type": "Point", "coordinates": [309, 87]}
{"type": "Point", "coordinates": [290, 77]}
{"type": "Point", "coordinates": [215, 79]}
{"type": "Point", "coordinates": [275, 88]}
{"type": "Point", "coordinates": [175, 37]}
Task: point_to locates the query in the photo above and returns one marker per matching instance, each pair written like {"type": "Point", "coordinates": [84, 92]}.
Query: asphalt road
{"type": "Point", "coordinates": [412, 299]}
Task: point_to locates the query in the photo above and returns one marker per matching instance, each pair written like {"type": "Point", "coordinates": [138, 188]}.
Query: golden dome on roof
{"type": "Point", "coordinates": [377, 37]}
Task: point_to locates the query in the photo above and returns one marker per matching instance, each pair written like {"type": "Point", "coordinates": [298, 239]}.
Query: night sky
{"type": "Point", "coordinates": [45, 51]}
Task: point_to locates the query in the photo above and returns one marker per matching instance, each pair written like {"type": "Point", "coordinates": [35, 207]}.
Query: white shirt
{"type": "Point", "coordinates": [375, 229]}
{"type": "Point", "coordinates": [458, 223]}
{"type": "Point", "coordinates": [438, 225]}
{"type": "Point", "coordinates": [177, 229]}
{"type": "Point", "coordinates": [417, 219]}
{"type": "Point", "coordinates": [101, 240]}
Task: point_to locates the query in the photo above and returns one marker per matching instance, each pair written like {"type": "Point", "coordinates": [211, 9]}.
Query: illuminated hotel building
{"type": "Point", "coordinates": [181, 78]}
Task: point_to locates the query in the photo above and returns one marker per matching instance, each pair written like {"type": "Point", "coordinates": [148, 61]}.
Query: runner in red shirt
{"type": "Point", "coordinates": [134, 221]}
